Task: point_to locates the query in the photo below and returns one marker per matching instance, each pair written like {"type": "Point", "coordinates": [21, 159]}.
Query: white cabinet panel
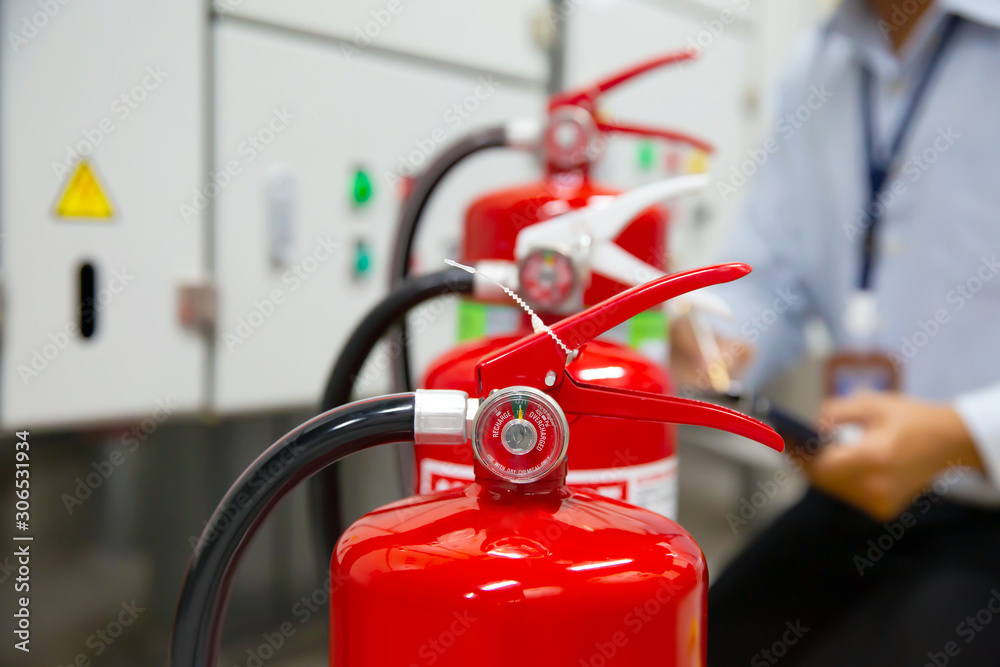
{"type": "Point", "coordinates": [294, 122]}
{"type": "Point", "coordinates": [121, 84]}
{"type": "Point", "coordinates": [495, 36]}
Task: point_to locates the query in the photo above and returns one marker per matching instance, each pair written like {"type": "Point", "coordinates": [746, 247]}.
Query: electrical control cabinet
{"type": "Point", "coordinates": [309, 154]}
{"type": "Point", "coordinates": [489, 36]}
{"type": "Point", "coordinates": [103, 135]}
{"type": "Point", "coordinates": [198, 200]}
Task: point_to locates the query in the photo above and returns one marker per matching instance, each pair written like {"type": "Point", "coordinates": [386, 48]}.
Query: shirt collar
{"type": "Point", "coordinates": [985, 12]}
{"type": "Point", "coordinates": [869, 36]}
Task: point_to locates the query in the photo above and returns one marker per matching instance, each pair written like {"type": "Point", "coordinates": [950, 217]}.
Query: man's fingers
{"type": "Point", "coordinates": [841, 472]}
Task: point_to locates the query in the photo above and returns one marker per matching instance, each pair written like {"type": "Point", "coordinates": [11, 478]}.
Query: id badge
{"type": "Point", "coordinates": [863, 366]}
{"type": "Point", "coordinates": [849, 372]}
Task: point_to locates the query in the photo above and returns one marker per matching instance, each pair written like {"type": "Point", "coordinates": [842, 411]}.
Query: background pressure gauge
{"type": "Point", "coordinates": [547, 279]}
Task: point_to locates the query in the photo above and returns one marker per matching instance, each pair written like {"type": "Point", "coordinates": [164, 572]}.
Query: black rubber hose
{"type": "Point", "coordinates": [325, 490]}
{"type": "Point", "coordinates": [374, 326]}
{"type": "Point", "coordinates": [409, 220]}
{"type": "Point", "coordinates": [425, 185]}
{"type": "Point", "coordinates": [323, 440]}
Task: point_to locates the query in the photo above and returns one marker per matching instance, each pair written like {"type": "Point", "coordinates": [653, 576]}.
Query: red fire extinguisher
{"type": "Point", "coordinates": [516, 568]}
{"type": "Point", "coordinates": [556, 280]}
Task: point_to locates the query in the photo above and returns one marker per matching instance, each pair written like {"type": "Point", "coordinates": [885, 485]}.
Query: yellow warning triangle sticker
{"type": "Point", "coordinates": [84, 197]}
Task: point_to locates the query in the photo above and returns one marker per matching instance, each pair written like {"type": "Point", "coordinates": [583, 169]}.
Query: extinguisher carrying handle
{"type": "Point", "coordinates": [587, 235]}
{"type": "Point", "coordinates": [540, 360]}
{"type": "Point", "coordinates": [605, 220]}
{"type": "Point", "coordinates": [589, 94]}
{"type": "Point", "coordinates": [578, 398]}
{"type": "Point", "coordinates": [587, 97]}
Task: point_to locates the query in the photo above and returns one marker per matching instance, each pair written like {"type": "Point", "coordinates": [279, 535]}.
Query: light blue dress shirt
{"type": "Point", "coordinates": [937, 272]}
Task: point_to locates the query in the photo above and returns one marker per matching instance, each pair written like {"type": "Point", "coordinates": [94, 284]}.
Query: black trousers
{"type": "Point", "coordinates": [827, 586]}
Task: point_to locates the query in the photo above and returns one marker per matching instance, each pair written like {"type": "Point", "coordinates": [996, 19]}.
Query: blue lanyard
{"type": "Point", "coordinates": [879, 169]}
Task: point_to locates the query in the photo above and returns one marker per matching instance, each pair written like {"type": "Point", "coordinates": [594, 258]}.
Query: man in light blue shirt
{"type": "Point", "coordinates": [897, 545]}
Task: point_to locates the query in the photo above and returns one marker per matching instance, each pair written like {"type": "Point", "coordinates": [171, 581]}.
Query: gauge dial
{"type": "Point", "coordinates": [547, 279]}
{"type": "Point", "coordinates": [520, 434]}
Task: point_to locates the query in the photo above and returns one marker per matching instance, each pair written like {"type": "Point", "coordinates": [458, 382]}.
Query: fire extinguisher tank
{"type": "Point", "coordinates": [482, 576]}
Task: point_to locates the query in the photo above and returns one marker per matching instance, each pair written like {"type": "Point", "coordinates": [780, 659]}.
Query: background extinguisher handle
{"type": "Point", "coordinates": [655, 133]}
{"type": "Point", "coordinates": [587, 235]}
{"type": "Point", "coordinates": [605, 220]}
{"type": "Point", "coordinates": [587, 98]}
{"type": "Point", "coordinates": [589, 94]}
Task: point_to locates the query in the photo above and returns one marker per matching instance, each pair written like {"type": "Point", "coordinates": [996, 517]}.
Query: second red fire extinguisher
{"type": "Point", "coordinates": [516, 568]}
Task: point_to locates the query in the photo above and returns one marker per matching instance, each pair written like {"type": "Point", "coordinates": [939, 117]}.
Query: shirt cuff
{"type": "Point", "coordinates": [980, 411]}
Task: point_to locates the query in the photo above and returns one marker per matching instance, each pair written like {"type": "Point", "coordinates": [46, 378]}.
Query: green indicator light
{"type": "Point", "coordinates": [362, 258]}
{"type": "Point", "coordinates": [362, 189]}
{"type": "Point", "coordinates": [647, 155]}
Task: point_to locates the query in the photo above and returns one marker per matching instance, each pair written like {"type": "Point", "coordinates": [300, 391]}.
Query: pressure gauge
{"type": "Point", "coordinates": [520, 434]}
{"type": "Point", "coordinates": [548, 279]}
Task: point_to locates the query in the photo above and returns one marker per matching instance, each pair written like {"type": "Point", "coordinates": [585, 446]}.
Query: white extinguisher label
{"type": "Point", "coordinates": [652, 486]}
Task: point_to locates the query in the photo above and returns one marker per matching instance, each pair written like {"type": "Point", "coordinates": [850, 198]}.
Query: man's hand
{"type": "Point", "coordinates": [906, 443]}
{"type": "Point", "coordinates": [688, 365]}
